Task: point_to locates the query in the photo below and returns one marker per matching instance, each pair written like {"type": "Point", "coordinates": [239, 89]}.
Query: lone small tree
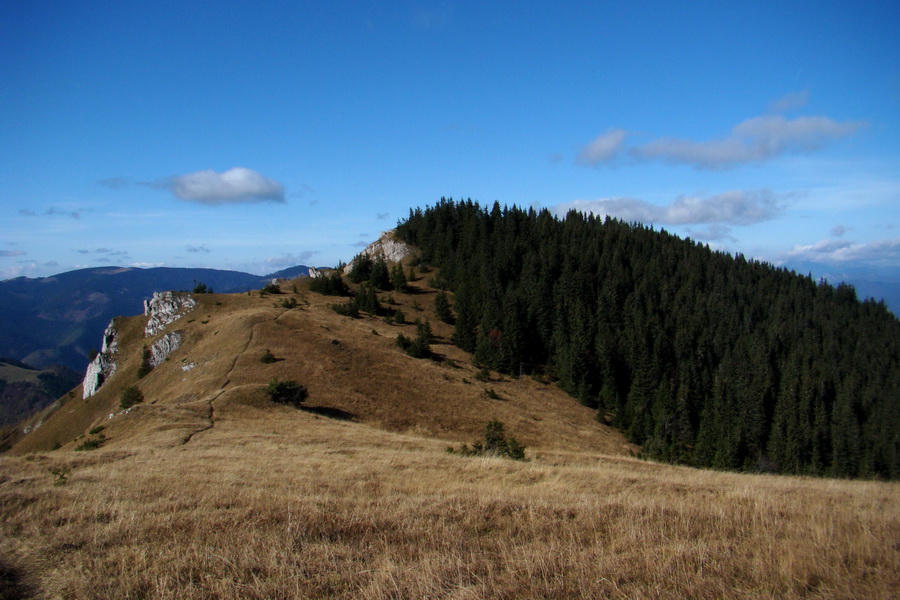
{"type": "Point", "coordinates": [145, 366]}
{"type": "Point", "coordinates": [130, 396]}
{"type": "Point", "coordinates": [286, 392]}
{"type": "Point", "coordinates": [442, 307]}
{"type": "Point", "coordinates": [495, 444]}
{"type": "Point", "coordinates": [398, 279]}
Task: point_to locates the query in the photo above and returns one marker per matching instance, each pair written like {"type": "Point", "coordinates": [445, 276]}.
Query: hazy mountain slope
{"type": "Point", "coordinates": [352, 368]}
{"type": "Point", "coordinates": [59, 319]}
{"type": "Point", "coordinates": [24, 391]}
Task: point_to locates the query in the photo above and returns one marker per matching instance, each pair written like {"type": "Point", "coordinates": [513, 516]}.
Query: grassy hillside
{"type": "Point", "coordinates": [208, 490]}
{"type": "Point", "coordinates": [352, 368]}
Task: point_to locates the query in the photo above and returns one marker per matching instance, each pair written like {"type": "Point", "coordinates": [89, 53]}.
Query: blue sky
{"type": "Point", "coordinates": [246, 137]}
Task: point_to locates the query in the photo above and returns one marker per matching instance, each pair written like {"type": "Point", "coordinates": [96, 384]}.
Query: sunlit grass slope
{"type": "Point", "coordinates": [208, 490]}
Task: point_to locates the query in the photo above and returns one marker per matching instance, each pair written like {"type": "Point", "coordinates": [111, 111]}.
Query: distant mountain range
{"type": "Point", "coordinates": [59, 319]}
{"type": "Point", "coordinates": [881, 284]}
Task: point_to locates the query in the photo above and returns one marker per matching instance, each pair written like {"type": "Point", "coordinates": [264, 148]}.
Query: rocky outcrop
{"type": "Point", "coordinates": [388, 246]}
{"type": "Point", "coordinates": [163, 347]}
{"type": "Point", "coordinates": [110, 344]}
{"type": "Point", "coordinates": [103, 365]}
{"type": "Point", "coordinates": [165, 308]}
{"type": "Point", "coordinates": [315, 273]}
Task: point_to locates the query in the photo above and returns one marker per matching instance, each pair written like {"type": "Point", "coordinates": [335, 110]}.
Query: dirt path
{"type": "Point", "coordinates": [211, 404]}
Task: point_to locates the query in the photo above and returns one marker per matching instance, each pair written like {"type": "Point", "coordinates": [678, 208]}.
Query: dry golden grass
{"type": "Point", "coordinates": [351, 367]}
{"type": "Point", "coordinates": [207, 490]}
{"type": "Point", "coordinates": [278, 503]}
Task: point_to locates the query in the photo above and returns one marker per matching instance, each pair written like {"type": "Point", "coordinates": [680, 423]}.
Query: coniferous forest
{"type": "Point", "coordinates": [701, 357]}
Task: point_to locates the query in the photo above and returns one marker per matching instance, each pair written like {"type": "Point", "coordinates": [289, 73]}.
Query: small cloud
{"type": "Point", "coordinates": [555, 158]}
{"type": "Point", "coordinates": [27, 212]}
{"type": "Point", "coordinates": [109, 252]}
{"type": "Point", "coordinates": [736, 207]}
{"type": "Point", "coordinates": [238, 185]}
{"type": "Point", "coordinates": [51, 264]}
{"type": "Point", "coordinates": [360, 244]}
{"type": "Point", "coordinates": [603, 149]}
{"type": "Point", "coordinates": [274, 263]}
{"type": "Point", "coordinates": [198, 249]}
{"type": "Point", "coordinates": [115, 183]}
{"type": "Point", "coordinates": [146, 265]}
{"type": "Point", "coordinates": [16, 271]}
{"type": "Point", "coordinates": [712, 233]}
{"type": "Point", "coordinates": [7, 253]}
{"type": "Point", "coordinates": [881, 252]}
{"type": "Point", "coordinates": [790, 101]}
{"type": "Point", "coordinates": [303, 191]}
{"type": "Point", "coordinates": [754, 140]}
{"type": "Point", "coordinates": [383, 216]}
{"type": "Point", "coordinates": [838, 230]}
{"type": "Point", "coordinates": [55, 210]}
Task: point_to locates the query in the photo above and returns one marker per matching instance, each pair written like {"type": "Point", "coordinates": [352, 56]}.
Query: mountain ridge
{"type": "Point", "coordinates": [58, 319]}
{"type": "Point", "coordinates": [352, 368]}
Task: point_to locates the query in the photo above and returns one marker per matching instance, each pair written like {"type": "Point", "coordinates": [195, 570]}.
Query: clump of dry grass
{"type": "Point", "coordinates": [290, 505]}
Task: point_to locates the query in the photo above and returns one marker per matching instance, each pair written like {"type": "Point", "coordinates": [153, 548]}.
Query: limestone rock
{"type": "Point", "coordinates": [110, 343]}
{"type": "Point", "coordinates": [163, 347]}
{"type": "Point", "coordinates": [388, 246]}
{"type": "Point", "coordinates": [103, 366]}
{"type": "Point", "coordinates": [165, 308]}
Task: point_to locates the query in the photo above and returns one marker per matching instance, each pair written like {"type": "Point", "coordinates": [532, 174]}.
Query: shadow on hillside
{"type": "Point", "coordinates": [12, 586]}
{"type": "Point", "coordinates": [331, 413]}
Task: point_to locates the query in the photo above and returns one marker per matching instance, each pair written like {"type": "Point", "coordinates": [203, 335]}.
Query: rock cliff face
{"type": "Point", "coordinates": [388, 246]}
{"type": "Point", "coordinates": [163, 347]}
{"type": "Point", "coordinates": [165, 308]}
{"type": "Point", "coordinates": [103, 365]}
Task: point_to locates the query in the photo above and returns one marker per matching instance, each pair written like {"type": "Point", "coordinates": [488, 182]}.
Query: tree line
{"type": "Point", "coordinates": [699, 356]}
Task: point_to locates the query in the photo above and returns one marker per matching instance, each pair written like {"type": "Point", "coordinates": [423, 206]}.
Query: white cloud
{"type": "Point", "coordinates": [288, 260]}
{"type": "Point", "coordinates": [790, 101]}
{"type": "Point", "coordinates": [603, 149]}
{"type": "Point", "coordinates": [712, 232]}
{"type": "Point", "coordinates": [880, 252]}
{"type": "Point", "coordinates": [753, 140]}
{"type": "Point", "coordinates": [146, 265]}
{"type": "Point", "coordinates": [234, 186]}
{"type": "Point", "coordinates": [838, 230]}
{"type": "Point", "coordinates": [736, 207]}
{"type": "Point", "coordinates": [15, 271]}
{"type": "Point", "coordinates": [198, 249]}
{"type": "Point", "coordinates": [115, 183]}
{"type": "Point", "coordinates": [56, 210]}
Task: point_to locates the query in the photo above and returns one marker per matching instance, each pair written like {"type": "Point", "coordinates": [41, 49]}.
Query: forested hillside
{"type": "Point", "coordinates": [701, 357]}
